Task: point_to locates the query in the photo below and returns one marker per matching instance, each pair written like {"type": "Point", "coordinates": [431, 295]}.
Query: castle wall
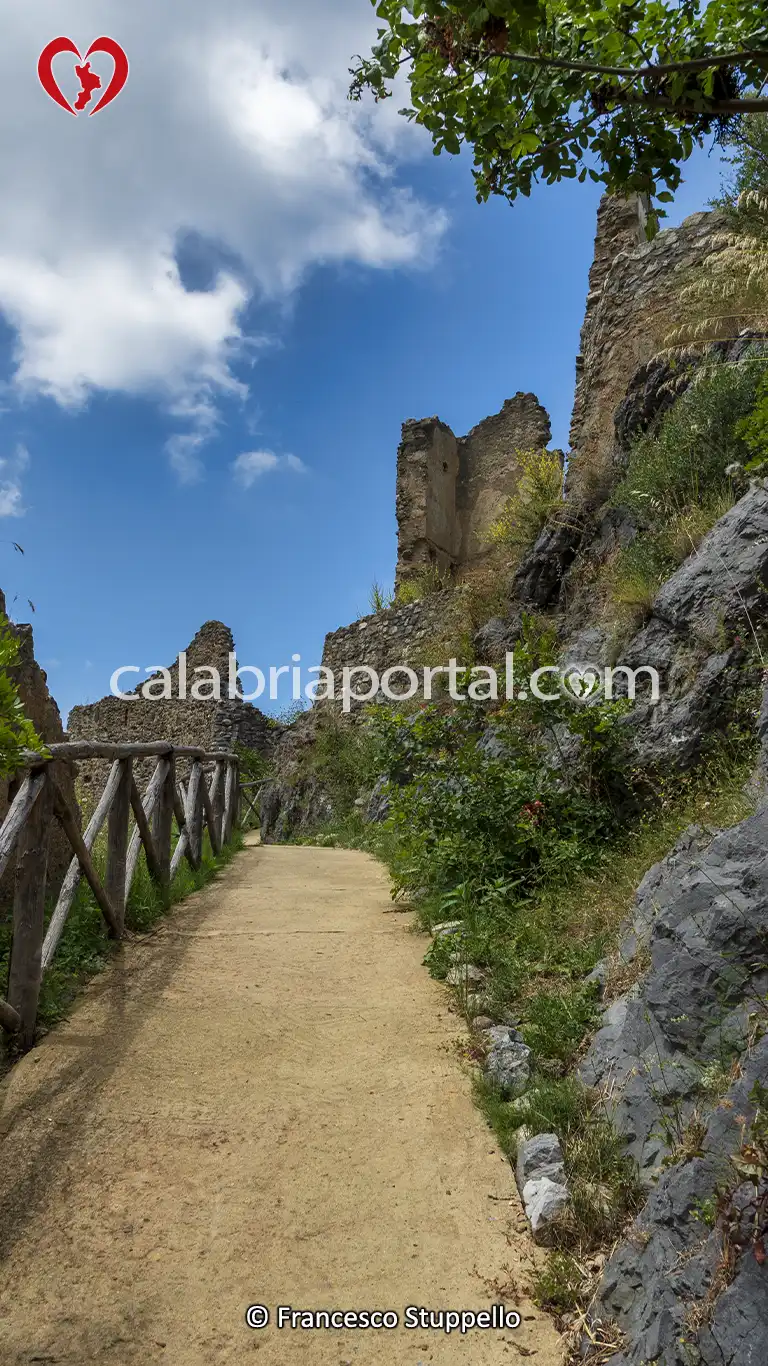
{"type": "Point", "coordinates": [488, 468]}
{"type": "Point", "coordinates": [210, 725]}
{"type": "Point", "coordinates": [632, 303]}
{"type": "Point", "coordinates": [397, 635]}
{"type": "Point", "coordinates": [450, 490]}
{"type": "Point", "coordinates": [427, 470]}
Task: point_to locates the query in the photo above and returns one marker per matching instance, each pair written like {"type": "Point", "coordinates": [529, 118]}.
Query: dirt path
{"type": "Point", "coordinates": [259, 1104]}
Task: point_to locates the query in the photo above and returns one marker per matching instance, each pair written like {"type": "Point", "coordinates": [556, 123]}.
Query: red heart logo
{"type": "Point", "coordinates": [88, 80]}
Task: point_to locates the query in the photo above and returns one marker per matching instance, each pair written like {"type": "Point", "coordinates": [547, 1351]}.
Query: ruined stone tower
{"type": "Point", "coordinates": [450, 489]}
{"type": "Point", "coordinates": [633, 302]}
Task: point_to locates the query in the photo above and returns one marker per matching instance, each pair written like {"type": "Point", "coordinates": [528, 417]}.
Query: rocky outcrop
{"type": "Point", "coordinates": [658, 383]}
{"type": "Point", "coordinates": [686, 1287]}
{"type": "Point", "coordinates": [662, 1058]}
{"type": "Point", "coordinates": [539, 577]}
{"type": "Point", "coordinates": [40, 707]}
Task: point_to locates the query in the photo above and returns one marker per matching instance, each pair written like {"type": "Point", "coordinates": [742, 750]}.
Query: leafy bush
{"type": "Point", "coordinates": [344, 758]}
{"type": "Point", "coordinates": [682, 464]}
{"type": "Point", "coordinates": [753, 429]}
{"type": "Point", "coordinates": [16, 731]}
{"type": "Point", "coordinates": [464, 811]}
{"type": "Point", "coordinates": [538, 494]}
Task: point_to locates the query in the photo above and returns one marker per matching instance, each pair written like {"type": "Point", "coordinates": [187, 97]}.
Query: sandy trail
{"type": "Point", "coordinates": [261, 1103]}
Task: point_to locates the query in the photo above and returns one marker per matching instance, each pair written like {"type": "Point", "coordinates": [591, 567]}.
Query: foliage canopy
{"type": "Point", "coordinates": [617, 90]}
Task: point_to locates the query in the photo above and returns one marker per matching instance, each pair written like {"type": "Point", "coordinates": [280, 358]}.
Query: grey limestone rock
{"type": "Point", "coordinates": [545, 1202]}
{"type": "Point", "coordinates": [539, 1156]}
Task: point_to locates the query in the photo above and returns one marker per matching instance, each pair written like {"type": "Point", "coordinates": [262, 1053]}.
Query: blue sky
{"type": "Point", "coordinates": [222, 442]}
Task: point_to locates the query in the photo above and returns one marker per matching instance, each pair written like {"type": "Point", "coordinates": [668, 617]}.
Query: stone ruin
{"type": "Point", "coordinates": [210, 725]}
{"type": "Point", "coordinates": [631, 306]}
{"type": "Point", "coordinates": [450, 489]}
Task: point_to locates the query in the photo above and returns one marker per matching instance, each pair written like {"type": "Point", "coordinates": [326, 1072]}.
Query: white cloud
{"type": "Point", "coordinates": [10, 501]}
{"type": "Point", "coordinates": [251, 465]}
{"type": "Point", "coordinates": [234, 125]}
{"type": "Point", "coordinates": [11, 469]}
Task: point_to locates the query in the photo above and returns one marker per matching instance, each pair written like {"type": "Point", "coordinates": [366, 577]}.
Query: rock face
{"type": "Point", "coordinates": [539, 577]}
{"type": "Point", "coordinates": [656, 385]}
{"type": "Point", "coordinates": [694, 638]}
{"type": "Point", "coordinates": [664, 1284]}
{"type": "Point", "coordinates": [702, 917]}
{"type": "Point", "coordinates": [288, 810]}
{"type": "Point", "coordinates": [724, 583]}
{"type": "Point", "coordinates": [42, 710]}
{"type": "Point", "coordinates": [450, 489]}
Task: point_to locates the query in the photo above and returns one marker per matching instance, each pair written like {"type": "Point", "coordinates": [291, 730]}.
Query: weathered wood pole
{"type": "Point", "coordinates": [162, 822]}
{"type": "Point", "coordinates": [218, 793]}
{"type": "Point", "coordinates": [210, 817]}
{"type": "Point", "coordinates": [195, 813]}
{"type": "Point", "coordinates": [25, 974]}
{"type": "Point", "coordinates": [117, 843]}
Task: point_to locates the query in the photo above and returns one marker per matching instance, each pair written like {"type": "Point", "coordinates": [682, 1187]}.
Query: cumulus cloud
{"type": "Point", "coordinates": [11, 469]}
{"type": "Point", "coordinates": [251, 465]}
{"type": "Point", "coordinates": [234, 126]}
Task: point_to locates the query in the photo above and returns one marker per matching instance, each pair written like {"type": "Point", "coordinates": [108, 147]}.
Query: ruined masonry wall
{"type": "Point", "coordinates": [398, 635]}
{"type": "Point", "coordinates": [450, 489]}
{"type": "Point", "coordinates": [631, 305]}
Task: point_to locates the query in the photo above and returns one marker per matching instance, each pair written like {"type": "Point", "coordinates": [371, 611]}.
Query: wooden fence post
{"type": "Point", "coordinates": [25, 973]}
{"type": "Point", "coordinates": [162, 822]}
{"type": "Point", "coordinates": [117, 843]}
{"type": "Point", "coordinates": [231, 800]}
{"type": "Point", "coordinates": [219, 794]}
{"type": "Point", "coordinates": [194, 814]}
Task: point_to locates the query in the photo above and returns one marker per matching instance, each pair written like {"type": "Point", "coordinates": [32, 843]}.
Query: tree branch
{"type": "Point", "coordinates": [711, 110]}
{"type": "Point", "coordinates": [758, 57]}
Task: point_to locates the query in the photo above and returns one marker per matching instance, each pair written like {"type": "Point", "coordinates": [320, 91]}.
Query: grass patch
{"type": "Point", "coordinates": [603, 1181]}
{"type": "Point", "coordinates": [538, 495]}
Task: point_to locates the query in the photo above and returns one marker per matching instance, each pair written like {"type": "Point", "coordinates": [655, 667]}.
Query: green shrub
{"type": "Point", "coordinates": [344, 758]}
{"type": "Point", "coordinates": [16, 731]}
{"type": "Point", "coordinates": [682, 464]}
{"type": "Point", "coordinates": [420, 584]}
{"type": "Point", "coordinates": [378, 598]}
{"type": "Point", "coordinates": [539, 493]}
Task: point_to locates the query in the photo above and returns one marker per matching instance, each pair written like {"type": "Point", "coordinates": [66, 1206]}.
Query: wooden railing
{"type": "Point", "coordinates": [27, 831]}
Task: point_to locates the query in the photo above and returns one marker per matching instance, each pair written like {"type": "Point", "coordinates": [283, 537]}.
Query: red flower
{"type": "Point", "coordinates": [533, 811]}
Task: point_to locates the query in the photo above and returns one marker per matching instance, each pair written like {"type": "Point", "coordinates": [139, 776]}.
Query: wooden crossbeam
{"type": "Point", "coordinates": [68, 824]}
{"type": "Point", "coordinates": [26, 830]}
{"type": "Point", "coordinates": [75, 871]}
{"type": "Point", "coordinates": [143, 813]}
